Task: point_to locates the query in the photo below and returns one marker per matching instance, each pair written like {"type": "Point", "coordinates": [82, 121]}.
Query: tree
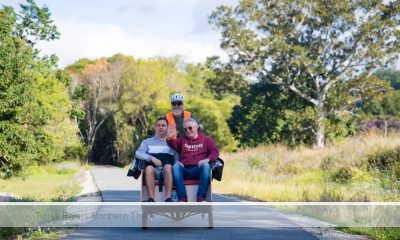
{"type": "Point", "coordinates": [211, 104]}
{"type": "Point", "coordinates": [144, 90]}
{"type": "Point", "coordinates": [34, 105]}
{"type": "Point", "coordinates": [223, 79]}
{"type": "Point", "coordinates": [388, 107]}
{"type": "Point", "coordinates": [323, 51]}
{"type": "Point", "coordinates": [54, 105]}
{"type": "Point", "coordinates": [35, 24]}
{"type": "Point", "coordinates": [146, 87]}
{"type": "Point", "coordinates": [383, 113]}
{"type": "Point", "coordinates": [128, 101]}
{"type": "Point", "coordinates": [16, 141]}
{"type": "Point", "coordinates": [98, 92]}
{"type": "Point", "coordinates": [391, 75]}
{"type": "Point", "coordinates": [270, 114]}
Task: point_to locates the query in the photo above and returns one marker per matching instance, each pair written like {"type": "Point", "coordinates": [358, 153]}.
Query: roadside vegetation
{"type": "Point", "coordinates": [50, 183]}
{"type": "Point", "coordinates": [375, 233]}
{"type": "Point", "coordinates": [358, 169]}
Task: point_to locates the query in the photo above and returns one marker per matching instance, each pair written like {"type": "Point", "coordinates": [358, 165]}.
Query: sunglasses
{"type": "Point", "coordinates": [176, 104]}
{"type": "Point", "coordinates": [188, 129]}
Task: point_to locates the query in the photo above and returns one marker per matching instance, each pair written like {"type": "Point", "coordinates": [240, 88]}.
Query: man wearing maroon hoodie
{"type": "Point", "coordinates": [196, 151]}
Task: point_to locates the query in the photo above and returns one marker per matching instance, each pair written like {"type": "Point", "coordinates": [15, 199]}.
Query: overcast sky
{"type": "Point", "coordinates": [140, 28]}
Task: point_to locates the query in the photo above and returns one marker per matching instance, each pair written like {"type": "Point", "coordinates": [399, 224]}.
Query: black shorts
{"type": "Point", "coordinates": [171, 162]}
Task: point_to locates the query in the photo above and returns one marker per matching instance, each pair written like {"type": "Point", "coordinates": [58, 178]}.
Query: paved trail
{"type": "Point", "coordinates": [116, 187]}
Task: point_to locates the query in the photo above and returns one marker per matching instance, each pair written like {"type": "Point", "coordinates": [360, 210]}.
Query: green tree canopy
{"type": "Point", "coordinates": [269, 114]}
{"type": "Point", "coordinates": [389, 106]}
{"type": "Point", "coordinates": [391, 75]}
{"type": "Point", "coordinates": [34, 105]}
{"type": "Point", "coordinates": [144, 88]}
{"type": "Point", "coordinates": [317, 49]}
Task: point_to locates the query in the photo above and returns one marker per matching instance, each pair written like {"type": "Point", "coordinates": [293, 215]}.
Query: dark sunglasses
{"type": "Point", "coordinates": [176, 104]}
{"type": "Point", "coordinates": [188, 129]}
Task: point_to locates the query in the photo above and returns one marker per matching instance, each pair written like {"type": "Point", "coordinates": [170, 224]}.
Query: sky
{"type": "Point", "coordinates": [139, 28]}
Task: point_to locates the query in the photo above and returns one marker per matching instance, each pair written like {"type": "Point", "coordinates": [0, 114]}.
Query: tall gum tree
{"type": "Point", "coordinates": [324, 51]}
{"type": "Point", "coordinates": [99, 83]}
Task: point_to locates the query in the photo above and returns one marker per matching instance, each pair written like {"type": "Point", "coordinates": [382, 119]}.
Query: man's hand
{"type": "Point", "coordinates": [203, 161]}
{"type": "Point", "coordinates": [156, 161]}
{"type": "Point", "coordinates": [171, 132]}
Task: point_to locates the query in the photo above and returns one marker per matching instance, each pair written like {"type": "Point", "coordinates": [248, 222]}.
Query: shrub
{"type": "Point", "coordinates": [342, 175]}
{"type": "Point", "coordinates": [386, 161]}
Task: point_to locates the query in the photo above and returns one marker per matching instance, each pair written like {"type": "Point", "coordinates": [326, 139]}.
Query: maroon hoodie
{"type": "Point", "coordinates": [193, 150]}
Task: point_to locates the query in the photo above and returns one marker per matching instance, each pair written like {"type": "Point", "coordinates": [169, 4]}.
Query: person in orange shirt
{"type": "Point", "coordinates": [177, 115]}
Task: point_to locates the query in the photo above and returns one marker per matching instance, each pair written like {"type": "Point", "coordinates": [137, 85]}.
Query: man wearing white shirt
{"type": "Point", "coordinates": [159, 158]}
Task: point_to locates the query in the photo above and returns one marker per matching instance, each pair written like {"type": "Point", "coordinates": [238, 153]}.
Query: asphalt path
{"type": "Point", "coordinates": [230, 222]}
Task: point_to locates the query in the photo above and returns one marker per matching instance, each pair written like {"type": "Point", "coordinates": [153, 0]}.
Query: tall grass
{"type": "Point", "coordinates": [340, 172]}
{"type": "Point", "coordinates": [360, 169]}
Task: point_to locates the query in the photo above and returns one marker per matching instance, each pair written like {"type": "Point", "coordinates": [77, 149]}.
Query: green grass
{"type": "Point", "coordinates": [375, 233]}
{"type": "Point", "coordinates": [45, 183]}
{"type": "Point", "coordinates": [48, 233]}
{"type": "Point", "coordinates": [51, 183]}
{"type": "Point", "coordinates": [33, 233]}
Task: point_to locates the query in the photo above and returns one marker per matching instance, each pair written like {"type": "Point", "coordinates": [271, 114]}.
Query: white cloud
{"type": "Point", "coordinates": [203, 9]}
{"type": "Point", "coordinates": [91, 40]}
{"type": "Point", "coordinates": [138, 7]}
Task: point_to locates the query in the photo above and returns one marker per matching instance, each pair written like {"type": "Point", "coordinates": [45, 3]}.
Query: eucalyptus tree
{"type": "Point", "coordinates": [101, 84]}
{"type": "Point", "coordinates": [323, 51]}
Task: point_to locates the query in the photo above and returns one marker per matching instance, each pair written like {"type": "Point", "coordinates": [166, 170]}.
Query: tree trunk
{"type": "Point", "coordinates": [319, 141]}
{"type": "Point", "coordinates": [86, 158]}
{"type": "Point", "coordinates": [117, 134]}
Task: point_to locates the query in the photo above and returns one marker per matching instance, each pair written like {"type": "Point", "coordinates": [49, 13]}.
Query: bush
{"type": "Point", "coordinates": [76, 152]}
{"type": "Point", "coordinates": [342, 175]}
{"type": "Point", "coordinates": [386, 161]}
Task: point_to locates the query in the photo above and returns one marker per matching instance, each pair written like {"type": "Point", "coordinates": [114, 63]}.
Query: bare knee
{"type": "Point", "coordinates": [149, 171]}
{"type": "Point", "coordinates": [168, 169]}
